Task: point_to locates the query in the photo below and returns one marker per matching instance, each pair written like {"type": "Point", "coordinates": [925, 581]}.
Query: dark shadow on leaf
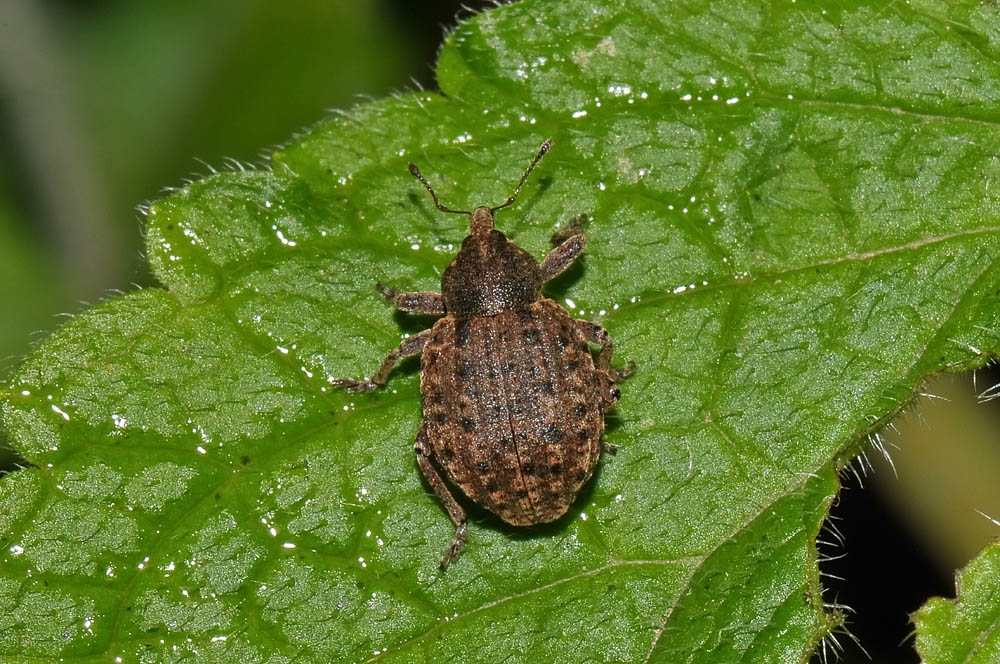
{"type": "Point", "coordinates": [507, 220]}
{"type": "Point", "coordinates": [417, 201]}
{"type": "Point", "coordinates": [560, 286]}
{"type": "Point", "coordinates": [612, 422]}
{"type": "Point", "coordinates": [408, 366]}
{"type": "Point", "coordinates": [412, 323]}
{"type": "Point", "coordinates": [436, 220]}
{"type": "Point", "coordinates": [544, 183]}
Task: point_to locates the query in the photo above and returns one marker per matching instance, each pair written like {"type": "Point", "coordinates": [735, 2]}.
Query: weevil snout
{"type": "Point", "coordinates": [481, 221]}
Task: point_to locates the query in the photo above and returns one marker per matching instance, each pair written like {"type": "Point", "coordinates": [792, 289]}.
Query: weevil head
{"type": "Point", "coordinates": [490, 274]}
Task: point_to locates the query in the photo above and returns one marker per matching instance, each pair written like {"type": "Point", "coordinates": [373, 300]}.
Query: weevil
{"type": "Point", "coordinates": [513, 403]}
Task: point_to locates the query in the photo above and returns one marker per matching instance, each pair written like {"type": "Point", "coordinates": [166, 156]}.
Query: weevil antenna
{"type": "Point", "coordinates": [415, 172]}
{"type": "Point", "coordinates": [517, 190]}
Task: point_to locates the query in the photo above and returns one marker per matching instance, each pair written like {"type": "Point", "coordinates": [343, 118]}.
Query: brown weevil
{"type": "Point", "coordinates": [513, 402]}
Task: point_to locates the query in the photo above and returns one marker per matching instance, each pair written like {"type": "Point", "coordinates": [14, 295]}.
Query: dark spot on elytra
{"type": "Point", "coordinates": [562, 340]}
{"type": "Point", "coordinates": [438, 398]}
{"type": "Point", "coordinates": [522, 494]}
{"type": "Point", "coordinates": [440, 418]}
{"type": "Point", "coordinates": [492, 485]}
{"type": "Point", "coordinates": [462, 372]}
{"type": "Point", "coordinates": [505, 443]}
{"type": "Point", "coordinates": [531, 335]}
{"type": "Point", "coordinates": [580, 410]}
{"type": "Point", "coordinates": [572, 365]}
{"type": "Point", "coordinates": [447, 454]}
{"type": "Point", "coordinates": [468, 424]}
{"type": "Point", "coordinates": [583, 434]}
{"type": "Point", "coordinates": [556, 467]}
{"type": "Point", "coordinates": [553, 433]}
{"type": "Point", "coordinates": [483, 465]}
{"type": "Point", "coordinates": [462, 332]}
{"type": "Point", "coordinates": [527, 468]}
{"type": "Point", "coordinates": [547, 388]}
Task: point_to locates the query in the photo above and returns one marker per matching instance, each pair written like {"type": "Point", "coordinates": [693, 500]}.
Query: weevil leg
{"type": "Point", "coordinates": [423, 302]}
{"type": "Point", "coordinates": [573, 227]}
{"type": "Point", "coordinates": [455, 548]}
{"type": "Point", "coordinates": [609, 377]}
{"type": "Point", "coordinates": [424, 453]}
{"type": "Point", "coordinates": [610, 391]}
{"type": "Point", "coordinates": [411, 346]}
{"type": "Point", "coordinates": [572, 243]}
{"type": "Point", "coordinates": [596, 334]}
{"type": "Point", "coordinates": [624, 372]}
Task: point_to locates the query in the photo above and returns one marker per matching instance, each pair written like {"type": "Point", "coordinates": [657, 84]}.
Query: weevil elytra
{"type": "Point", "coordinates": [513, 403]}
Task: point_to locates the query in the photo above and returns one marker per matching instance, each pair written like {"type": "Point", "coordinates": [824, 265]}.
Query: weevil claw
{"type": "Point", "coordinates": [352, 386]}
{"type": "Point", "coordinates": [455, 548]}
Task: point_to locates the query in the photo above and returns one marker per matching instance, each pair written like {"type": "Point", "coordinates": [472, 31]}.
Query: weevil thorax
{"type": "Point", "coordinates": [490, 274]}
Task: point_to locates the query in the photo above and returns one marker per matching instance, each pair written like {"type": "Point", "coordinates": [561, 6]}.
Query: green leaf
{"type": "Point", "coordinates": [792, 225]}
{"type": "Point", "coordinates": [31, 306]}
{"type": "Point", "coordinates": [966, 629]}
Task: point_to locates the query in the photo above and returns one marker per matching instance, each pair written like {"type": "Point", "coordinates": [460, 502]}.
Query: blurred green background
{"type": "Point", "coordinates": [103, 103]}
{"type": "Point", "coordinates": [106, 102]}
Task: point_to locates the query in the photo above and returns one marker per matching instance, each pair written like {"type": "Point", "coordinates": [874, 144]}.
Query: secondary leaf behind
{"type": "Point", "coordinates": [967, 628]}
